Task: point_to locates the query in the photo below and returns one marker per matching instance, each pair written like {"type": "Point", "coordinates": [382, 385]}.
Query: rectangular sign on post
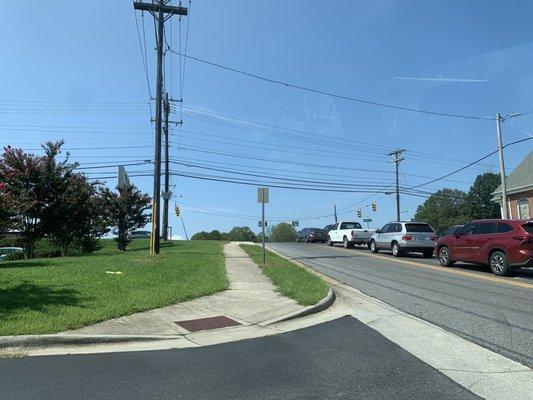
{"type": "Point", "coordinates": [367, 219]}
{"type": "Point", "coordinates": [262, 195]}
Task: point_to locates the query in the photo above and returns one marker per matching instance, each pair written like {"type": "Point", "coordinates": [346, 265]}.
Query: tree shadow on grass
{"type": "Point", "coordinates": [31, 297]}
{"type": "Point", "coordinates": [25, 264]}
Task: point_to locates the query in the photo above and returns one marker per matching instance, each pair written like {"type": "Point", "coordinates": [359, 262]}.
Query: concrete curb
{"type": "Point", "coordinates": [34, 341]}
{"type": "Point", "coordinates": [322, 305]}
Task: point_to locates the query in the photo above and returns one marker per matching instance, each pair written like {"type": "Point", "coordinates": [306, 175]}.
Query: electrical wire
{"type": "Point", "coordinates": [334, 95]}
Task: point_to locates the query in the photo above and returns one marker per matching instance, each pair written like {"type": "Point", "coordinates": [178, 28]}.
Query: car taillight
{"type": "Point", "coordinates": [433, 238]}
{"type": "Point", "coordinates": [406, 237]}
{"type": "Point", "coordinates": [523, 239]}
{"type": "Point", "coordinates": [353, 233]}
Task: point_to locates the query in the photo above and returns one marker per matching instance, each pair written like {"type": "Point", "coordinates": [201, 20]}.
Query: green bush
{"type": "Point", "coordinates": [14, 257]}
{"type": "Point", "coordinates": [10, 242]}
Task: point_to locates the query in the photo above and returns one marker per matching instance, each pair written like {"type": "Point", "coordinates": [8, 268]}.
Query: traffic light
{"type": "Point", "coordinates": [177, 211]}
{"type": "Point", "coordinates": [374, 207]}
{"type": "Point", "coordinates": [359, 213]}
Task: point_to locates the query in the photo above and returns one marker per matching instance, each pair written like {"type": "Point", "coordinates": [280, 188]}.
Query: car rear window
{"type": "Point", "coordinates": [350, 225]}
{"type": "Point", "coordinates": [315, 230]}
{"type": "Point", "coordinates": [418, 228]}
{"type": "Point", "coordinates": [503, 228]}
{"type": "Point", "coordinates": [528, 227]}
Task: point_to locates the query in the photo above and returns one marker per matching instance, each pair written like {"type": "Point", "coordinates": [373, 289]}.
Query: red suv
{"type": "Point", "coordinates": [502, 244]}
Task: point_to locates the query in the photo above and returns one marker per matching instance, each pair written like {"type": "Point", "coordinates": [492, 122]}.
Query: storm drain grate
{"type": "Point", "coordinates": [203, 324]}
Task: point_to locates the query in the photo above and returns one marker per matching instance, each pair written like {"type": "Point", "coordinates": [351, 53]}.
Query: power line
{"type": "Point", "coordinates": [216, 178]}
{"type": "Point", "coordinates": [144, 59]}
{"type": "Point", "coordinates": [285, 179]}
{"type": "Point", "coordinates": [330, 94]}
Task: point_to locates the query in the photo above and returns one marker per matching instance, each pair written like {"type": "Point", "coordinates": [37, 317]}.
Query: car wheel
{"type": "Point", "coordinates": [373, 246]}
{"type": "Point", "coordinates": [322, 241]}
{"type": "Point", "coordinates": [396, 250]}
{"type": "Point", "coordinates": [445, 257]}
{"type": "Point", "coordinates": [330, 243]}
{"type": "Point", "coordinates": [346, 243]}
{"type": "Point", "coordinates": [499, 264]}
{"type": "Point", "coordinates": [428, 254]}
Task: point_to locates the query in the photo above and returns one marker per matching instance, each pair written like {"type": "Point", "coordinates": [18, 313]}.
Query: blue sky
{"type": "Point", "coordinates": [73, 71]}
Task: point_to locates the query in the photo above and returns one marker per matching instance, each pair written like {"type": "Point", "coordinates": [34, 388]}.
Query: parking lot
{"type": "Point", "coordinates": [468, 300]}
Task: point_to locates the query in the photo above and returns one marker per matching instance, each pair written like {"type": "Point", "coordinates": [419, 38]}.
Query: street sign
{"type": "Point", "coordinates": [367, 219]}
{"type": "Point", "coordinates": [262, 195]}
{"type": "Point", "coordinates": [295, 223]}
{"type": "Point", "coordinates": [123, 179]}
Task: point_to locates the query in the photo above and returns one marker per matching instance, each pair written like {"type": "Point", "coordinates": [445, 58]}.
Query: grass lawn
{"type": "Point", "coordinates": [55, 294]}
{"type": "Point", "coordinates": [292, 280]}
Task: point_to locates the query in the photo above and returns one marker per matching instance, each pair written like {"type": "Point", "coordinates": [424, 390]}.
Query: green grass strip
{"type": "Point", "coordinates": [291, 280]}
{"type": "Point", "coordinates": [56, 294]}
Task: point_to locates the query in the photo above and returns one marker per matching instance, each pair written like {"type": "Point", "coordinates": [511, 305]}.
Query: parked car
{"type": "Point", "coordinates": [404, 237]}
{"type": "Point", "coordinates": [140, 235]}
{"type": "Point", "coordinates": [349, 234]}
{"type": "Point", "coordinates": [450, 231]}
{"type": "Point", "coordinates": [327, 228]}
{"type": "Point", "coordinates": [503, 245]}
{"type": "Point", "coordinates": [311, 235]}
{"type": "Point", "coordinates": [5, 251]}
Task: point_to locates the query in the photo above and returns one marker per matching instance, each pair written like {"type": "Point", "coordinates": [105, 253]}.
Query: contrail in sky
{"type": "Point", "coordinates": [438, 79]}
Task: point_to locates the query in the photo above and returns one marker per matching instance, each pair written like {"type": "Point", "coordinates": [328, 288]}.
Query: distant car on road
{"type": "Point", "coordinates": [311, 235]}
{"type": "Point", "coordinates": [502, 244]}
{"type": "Point", "coordinates": [450, 231]}
{"type": "Point", "coordinates": [349, 234]}
{"type": "Point", "coordinates": [5, 251]}
{"type": "Point", "coordinates": [404, 237]}
{"type": "Point", "coordinates": [140, 235]}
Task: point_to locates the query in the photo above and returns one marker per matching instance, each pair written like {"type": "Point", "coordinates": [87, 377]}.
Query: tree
{"type": "Point", "coordinates": [283, 232]}
{"type": "Point", "coordinates": [241, 234]}
{"type": "Point", "coordinates": [5, 216]}
{"type": "Point", "coordinates": [479, 204]}
{"type": "Point", "coordinates": [203, 235]}
{"type": "Point", "coordinates": [443, 209]}
{"type": "Point", "coordinates": [23, 194]}
{"type": "Point", "coordinates": [71, 211]}
{"type": "Point", "coordinates": [126, 210]}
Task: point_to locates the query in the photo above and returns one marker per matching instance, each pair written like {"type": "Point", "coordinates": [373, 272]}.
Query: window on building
{"type": "Point", "coordinates": [523, 209]}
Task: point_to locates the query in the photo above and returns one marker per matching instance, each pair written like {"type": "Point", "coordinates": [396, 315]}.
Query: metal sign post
{"type": "Point", "coordinates": [367, 220]}
{"type": "Point", "coordinates": [262, 197]}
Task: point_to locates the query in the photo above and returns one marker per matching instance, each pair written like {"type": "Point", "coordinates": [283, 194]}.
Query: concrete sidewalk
{"type": "Point", "coordinates": [251, 299]}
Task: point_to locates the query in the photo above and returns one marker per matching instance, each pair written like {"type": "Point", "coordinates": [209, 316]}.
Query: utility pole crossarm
{"type": "Point", "coordinates": [139, 5]}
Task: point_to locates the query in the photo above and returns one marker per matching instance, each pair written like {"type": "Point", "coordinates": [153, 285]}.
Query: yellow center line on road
{"type": "Point", "coordinates": [495, 279]}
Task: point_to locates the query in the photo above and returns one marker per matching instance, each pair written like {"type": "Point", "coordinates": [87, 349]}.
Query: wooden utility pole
{"type": "Point", "coordinates": [505, 200]}
{"type": "Point", "coordinates": [166, 192]}
{"type": "Point", "coordinates": [397, 154]}
{"type": "Point", "coordinates": [161, 12]}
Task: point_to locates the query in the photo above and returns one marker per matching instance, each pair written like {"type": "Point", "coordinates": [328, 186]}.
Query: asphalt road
{"type": "Point", "coordinates": [342, 359]}
{"type": "Point", "coordinates": [494, 312]}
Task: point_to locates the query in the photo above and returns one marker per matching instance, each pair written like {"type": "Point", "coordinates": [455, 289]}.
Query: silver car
{"type": "Point", "coordinates": [404, 237]}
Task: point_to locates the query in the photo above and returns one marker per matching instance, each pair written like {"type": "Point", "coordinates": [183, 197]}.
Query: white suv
{"type": "Point", "coordinates": [404, 237]}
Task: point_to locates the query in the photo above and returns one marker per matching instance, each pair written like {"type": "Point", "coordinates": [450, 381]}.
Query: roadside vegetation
{"type": "Point", "coordinates": [44, 197]}
{"type": "Point", "coordinates": [292, 280]}
{"type": "Point", "coordinates": [51, 295]}
{"type": "Point", "coordinates": [282, 232]}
